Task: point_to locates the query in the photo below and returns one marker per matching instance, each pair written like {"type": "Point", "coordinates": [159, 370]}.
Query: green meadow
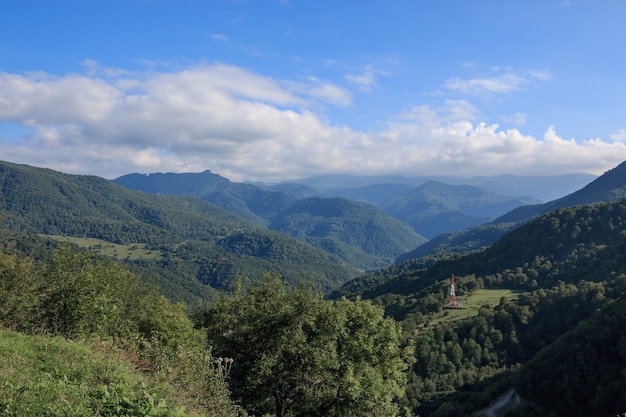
{"type": "Point", "coordinates": [469, 305]}
{"type": "Point", "coordinates": [132, 251]}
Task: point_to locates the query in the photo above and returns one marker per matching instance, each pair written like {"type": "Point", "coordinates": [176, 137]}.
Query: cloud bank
{"type": "Point", "coordinates": [246, 126]}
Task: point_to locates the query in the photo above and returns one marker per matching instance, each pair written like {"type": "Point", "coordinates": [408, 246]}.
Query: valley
{"type": "Point", "coordinates": [551, 278]}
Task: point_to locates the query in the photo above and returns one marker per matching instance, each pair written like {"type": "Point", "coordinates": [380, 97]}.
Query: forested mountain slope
{"type": "Point", "coordinates": [357, 232]}
{"type": "Point", "coordinates": [583, 369]}
{"type": "Point", "coordinates": [248, 201]}
{"type": "Point", "coordinates": [556, 271]}
{"type": "Point", "coordinates": [195, 247]}
{"type": "Point", "coordinates": [611, 186]}
{"type": "Point", "coordinates": [360, 234]}
{"type": "Point", "coordinates": [35, 200]}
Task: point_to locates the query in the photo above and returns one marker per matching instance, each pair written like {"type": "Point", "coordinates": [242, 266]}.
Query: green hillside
{"type": "Point", "coordinates": [192, 243]}
{"type": "Point", "coordinates": [82, 336]}
{"type": "Point", "coordinates": [357, 232]}
{"type": "Point", "coordinates": [95, 341]}
{"type": "Point", "coordinates": [583, 369]}
{"type": "Point", "coordinates": [45, 376]}
{"type": "Point", "coordinates": [560, 268]}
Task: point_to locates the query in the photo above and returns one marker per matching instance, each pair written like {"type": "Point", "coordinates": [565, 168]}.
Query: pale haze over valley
{"type": "Point", "coordinates": [281, 90]}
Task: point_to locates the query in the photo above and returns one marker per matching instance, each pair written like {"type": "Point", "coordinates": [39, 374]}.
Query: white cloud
{"type": "Point", "coordinates": [247, 126]}
{"type": "Point", "coordinates": [219, 37]}
{"type": "Point", "coordinates": [500, 84]}
{"type": "Point", "coordinates": [364, 81]}
{"type": "Point", "coordinates": [477, 86]}
{"type": "Point", "coordinates": [619, 136]}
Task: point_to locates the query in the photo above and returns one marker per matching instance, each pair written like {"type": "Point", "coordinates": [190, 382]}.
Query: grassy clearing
{"type": "Point", "coordinates": [50, 376]}
{"type": "Point", "coordinates": [469, 305]}
{"type": "Point", "coordinates": [132, 251]}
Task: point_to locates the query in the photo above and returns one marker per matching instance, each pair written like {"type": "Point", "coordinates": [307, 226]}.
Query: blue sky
{"type": "Point", "coordinates": [269, 90]}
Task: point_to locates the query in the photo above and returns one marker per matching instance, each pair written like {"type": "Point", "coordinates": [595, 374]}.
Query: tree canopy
{"type": "Point", "coordinates": [297, 354]}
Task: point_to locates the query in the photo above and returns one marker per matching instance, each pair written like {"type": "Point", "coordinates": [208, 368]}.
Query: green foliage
{"type": "Point", "coordinates": [297, 354]}
{"type": "Point", "coordinates": [583, 369]}
{"type": "Point", "coordinates": [192, 375]}
{"type": "Point", "coordinates": [563, 266]}
{"type": "Point", "coordinates": [77, 296]}
{"type": "Point", "coordinates": [49, 376]}
{"type": "Point", "coordinates": [19, 289]}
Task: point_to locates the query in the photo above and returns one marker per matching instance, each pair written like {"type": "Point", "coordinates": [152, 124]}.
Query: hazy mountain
{"type": "Point", "coordinates": [375, 194]}
{"type": "Point", "coordinates": [611, 186]}
{"type": "Point", "coordinates": [543, 188]}
{"type": "Point", "coordinates": [434, 207]}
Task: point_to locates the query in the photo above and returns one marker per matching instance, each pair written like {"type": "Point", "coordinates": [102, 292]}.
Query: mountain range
{"type": "Point", "coordinates": [611, 186]}
{"type": "Point", "coordinates": [361, 234]}
{"type": "Point", "coordinates": [431, 208]}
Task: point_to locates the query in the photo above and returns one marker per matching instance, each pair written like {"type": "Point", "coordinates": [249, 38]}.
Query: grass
{"type": "Point", "coordinates": [51, 376]}
{"type": "Point", "coordinates": [131, 252]}
{"type": "Point", "coordinates": [469, 305]}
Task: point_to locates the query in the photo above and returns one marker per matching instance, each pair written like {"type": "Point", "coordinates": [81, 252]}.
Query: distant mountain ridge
{"type": "Point", "coordinates": [544, 188]}
{"type": "Point", "coordinates": [430, 209]}
{"type": "Point", "coordinates": [434, 207]}
{"type": "Point", "coordinates": [611, 186]}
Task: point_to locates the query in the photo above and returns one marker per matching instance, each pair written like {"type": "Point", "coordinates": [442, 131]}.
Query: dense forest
{"type": "Point", "coordinates": [560, 269]}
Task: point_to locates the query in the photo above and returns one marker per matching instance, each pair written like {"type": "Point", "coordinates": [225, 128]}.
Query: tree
{"type": "Point", "coordinates": [19, 293]}
{"type": "Point", "coordinates": [297, 354]}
